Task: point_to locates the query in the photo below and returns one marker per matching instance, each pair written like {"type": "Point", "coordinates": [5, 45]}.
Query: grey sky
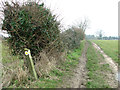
{"type": "Point", "coordinates": [102, 14]}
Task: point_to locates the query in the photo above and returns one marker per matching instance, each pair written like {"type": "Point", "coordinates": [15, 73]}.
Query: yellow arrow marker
{"type": "Point", "coordinates": [27, 52]}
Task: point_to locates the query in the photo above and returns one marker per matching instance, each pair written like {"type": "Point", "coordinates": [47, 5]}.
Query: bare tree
{"type": "Point", "coordinates": [100, 34]}
{"type": "Point", "coordinates": [83, 25]}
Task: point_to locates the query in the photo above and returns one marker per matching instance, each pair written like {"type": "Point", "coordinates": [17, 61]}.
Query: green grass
{"type": "Point", "coordinates": [110, 47]}
{"type": "Point", "coordinates": [94, 68]}
{"type": "Point", "coordinates": [7, 56]}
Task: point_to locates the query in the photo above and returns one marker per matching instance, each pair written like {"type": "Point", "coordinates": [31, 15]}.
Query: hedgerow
{"type": "Point", "coordinates": [30, 25]}
{"type": "Point", "coordinates": [72, 37]}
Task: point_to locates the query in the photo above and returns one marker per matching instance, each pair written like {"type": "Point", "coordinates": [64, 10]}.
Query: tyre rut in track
{"type": "Point", "coordinates": [79, 78]}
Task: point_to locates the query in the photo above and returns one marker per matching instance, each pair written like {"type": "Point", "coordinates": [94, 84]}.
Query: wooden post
{"type": "Point", "coordinates": [27, 52]}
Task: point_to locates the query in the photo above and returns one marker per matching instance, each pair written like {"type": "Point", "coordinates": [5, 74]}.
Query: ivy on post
{"type": "Point", "coordinates": [27, 53]}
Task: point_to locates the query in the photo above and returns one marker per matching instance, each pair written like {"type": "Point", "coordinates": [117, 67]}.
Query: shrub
{"type": "Point", "coordinates": [72, 37]}
{"type": "Point", "coordinates": [30, 25]}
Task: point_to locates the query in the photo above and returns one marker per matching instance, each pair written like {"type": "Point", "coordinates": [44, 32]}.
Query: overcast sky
{"type": "Point", "coordinates": [102, 14]}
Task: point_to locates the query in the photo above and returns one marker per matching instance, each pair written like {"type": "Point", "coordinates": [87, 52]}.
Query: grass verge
{"type": "Point", "coordinates": [95, 69]}
{"type": "Point", "coordinates": [56, 76]}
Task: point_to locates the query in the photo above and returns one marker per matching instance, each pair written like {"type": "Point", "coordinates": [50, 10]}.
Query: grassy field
{"type": "Point", "coordinates": [110, 47]}
{"type": "Point", "coordinates": [96, 70]}
{"type": "Point", "coordinates": [55, 77]}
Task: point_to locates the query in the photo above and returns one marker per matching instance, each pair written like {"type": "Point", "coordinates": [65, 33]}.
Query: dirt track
{"type": "Point", "coordinates": [79, 78]}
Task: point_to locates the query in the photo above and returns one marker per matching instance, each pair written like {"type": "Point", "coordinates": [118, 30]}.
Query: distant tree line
{"type": "Point", "coordinates": [109, 38]}
{"type": "Point", "coordinates": [93, 37]}
{"type": "Point", "coordinates": [90, 37]}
